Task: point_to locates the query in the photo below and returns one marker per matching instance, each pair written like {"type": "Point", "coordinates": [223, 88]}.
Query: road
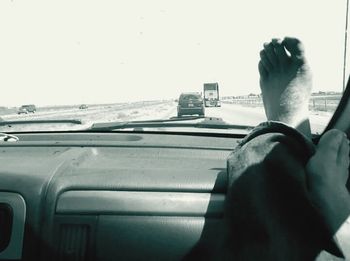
{"type": "Point", "coordinates": [231, 113]}
{"type": "Point", "coordinates": [252, 116]}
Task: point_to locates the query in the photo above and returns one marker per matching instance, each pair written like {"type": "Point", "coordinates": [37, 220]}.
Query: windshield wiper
{"type": "Point", "coordinates": [9, 123]}
{"type": "Point", "coordinates": [8, 137]}
{"type": "Point", "coordinates": [205, 122]}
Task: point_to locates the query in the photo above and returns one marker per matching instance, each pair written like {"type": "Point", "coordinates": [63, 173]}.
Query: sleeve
{"type": "Point", "coordinates": [342, 238]}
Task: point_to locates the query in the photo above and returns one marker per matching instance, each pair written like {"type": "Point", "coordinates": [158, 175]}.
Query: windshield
{"type": "Point", "coordinates": [122, 61]}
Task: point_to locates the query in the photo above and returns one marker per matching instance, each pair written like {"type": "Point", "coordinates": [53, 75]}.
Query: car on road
{"type": "Point", "coordinates": [190, 103]}
{"type": "Point", "coordinates": [83, 107]}
{"type": "Point", "coordinates": [26, 109]}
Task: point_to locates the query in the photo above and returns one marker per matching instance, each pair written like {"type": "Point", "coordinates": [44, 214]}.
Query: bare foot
{"type": "Point", "coordinates": [286, 82]}
{"type": "Point", "coordinates": [327, 173]}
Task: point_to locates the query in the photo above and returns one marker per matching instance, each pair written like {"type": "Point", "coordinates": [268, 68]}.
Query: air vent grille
{"type": "Point", "coordinates": [6, 218]}
{"type": "Point", "coordinates": [73, 242]}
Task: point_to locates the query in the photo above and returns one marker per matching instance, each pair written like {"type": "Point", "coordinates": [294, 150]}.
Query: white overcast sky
{"type": "Point", "coordinates": [72, 52]}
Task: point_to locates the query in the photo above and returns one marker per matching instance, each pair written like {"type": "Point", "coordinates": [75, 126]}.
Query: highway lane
{"type": "Point", "coordinates": [231, 113]}
{"type": "Point", "coordinates": [252, 116]}
{"type": "Point", "coordinates": [239, 114]}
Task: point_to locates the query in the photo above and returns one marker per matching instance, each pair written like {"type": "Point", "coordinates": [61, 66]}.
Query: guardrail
{"type": "Point", "coordinates": [316, 102]}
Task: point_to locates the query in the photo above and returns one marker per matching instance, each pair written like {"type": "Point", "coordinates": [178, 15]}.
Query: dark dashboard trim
{"type": "Point", "coordinates": [200, 134]}
{"type": "Point", "coordinates": [108, 145]}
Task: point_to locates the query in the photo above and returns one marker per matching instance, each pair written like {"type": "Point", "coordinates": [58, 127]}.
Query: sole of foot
{"type": "Point", "coordinates": [286, 83]}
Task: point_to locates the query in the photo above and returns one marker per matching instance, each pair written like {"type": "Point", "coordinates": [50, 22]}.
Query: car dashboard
{"type": "Point", "coordinates": [110, 196]}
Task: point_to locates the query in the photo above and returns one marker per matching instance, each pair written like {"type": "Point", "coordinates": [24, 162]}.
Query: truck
{"type": "Point", "coordinates": [211, 95]}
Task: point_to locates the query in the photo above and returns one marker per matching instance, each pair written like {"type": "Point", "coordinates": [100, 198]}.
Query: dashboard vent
{"type": "Point", "coordinates": [6, 217]}
{"type": "Point", "coordinates": [73, 242]}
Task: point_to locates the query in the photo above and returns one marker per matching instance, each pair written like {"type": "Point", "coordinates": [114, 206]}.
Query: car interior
{"type": "Point", "coordinates": [114, 196]}
{"type": "Point", "coordinates": [109, 164]}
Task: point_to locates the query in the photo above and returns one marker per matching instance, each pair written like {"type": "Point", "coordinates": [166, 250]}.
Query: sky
{"type": "Point", "coordinates": [84, 51]}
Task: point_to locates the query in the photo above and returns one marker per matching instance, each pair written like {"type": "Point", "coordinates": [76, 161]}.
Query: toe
{"type": "Point", "coordinates": [265, 61]}
{"type": "Point", "coordinates": [294, 47]}
{"type": "Point", "coordinates": [262, 70]}
{"type": "Point", "coordinates": [270, 53]}
{"type": "Point", "coordinates": [280, 51]}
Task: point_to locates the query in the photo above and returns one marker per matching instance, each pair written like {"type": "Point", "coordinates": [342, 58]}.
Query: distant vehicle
{"type": "Point", "coordinates": [211, 95]}
{"type": "Point", "coordinates": [26, 109]}
{"type": "Point", "coordinates": [190, 103]}
{"type": "Point", "coordinates": [83, 107]}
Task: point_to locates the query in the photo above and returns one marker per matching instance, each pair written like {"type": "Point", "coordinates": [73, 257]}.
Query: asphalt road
{"type": "Point", "coordinates": [252, 116]}
{"type": "Point", "coordinates": [231, 113]}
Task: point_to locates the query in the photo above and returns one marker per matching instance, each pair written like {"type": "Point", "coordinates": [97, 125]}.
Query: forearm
{"type": "Point", "coordinates": [342, 237]}
{"type": "Point", "coordinates": [335, 209]}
